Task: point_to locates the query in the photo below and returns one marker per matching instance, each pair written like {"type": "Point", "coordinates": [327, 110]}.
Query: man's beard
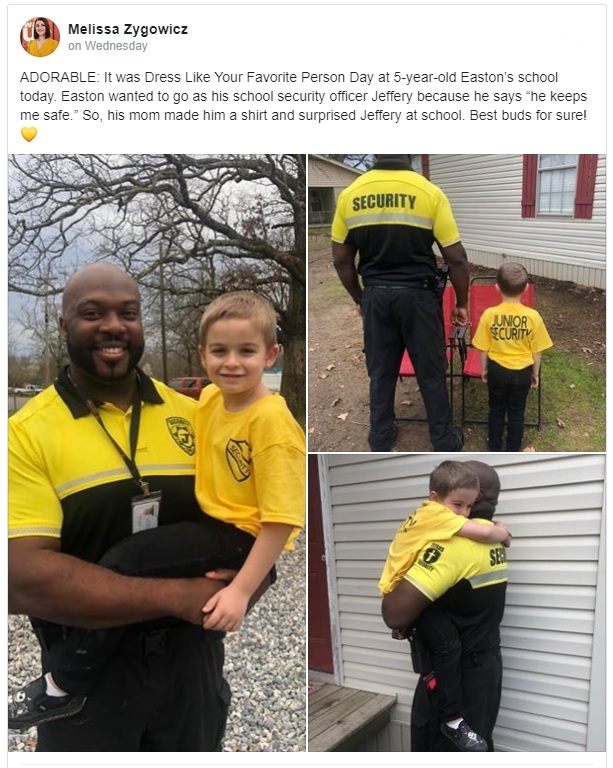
{"type": "Point", "coordinates": [82, 356]}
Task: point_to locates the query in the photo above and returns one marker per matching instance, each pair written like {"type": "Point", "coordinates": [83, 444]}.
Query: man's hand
{"type": "Point", "coordinates": [221, 574]}
{"type": "Point", "coordinates": [459, 316]}
{"type": "Point", "coordinates": [192, 594]}
{"type": "Point", "coordinates": [455, 256]}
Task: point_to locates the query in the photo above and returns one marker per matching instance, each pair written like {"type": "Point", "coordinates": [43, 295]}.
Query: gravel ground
{"type": "Point", "coordinates": [265, 666]}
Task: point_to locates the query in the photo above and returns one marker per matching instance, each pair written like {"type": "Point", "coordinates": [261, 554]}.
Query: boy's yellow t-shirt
{"type": "Point", "coordinates": [430, 522]}
{"type": "Point", "coordinates": [250, 464]}
{"type": "Point", "coordinates": [511, 334]}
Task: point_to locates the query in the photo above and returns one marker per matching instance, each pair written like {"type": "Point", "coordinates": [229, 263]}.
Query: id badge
{"type": "Point", "coordinates": [146, 511]}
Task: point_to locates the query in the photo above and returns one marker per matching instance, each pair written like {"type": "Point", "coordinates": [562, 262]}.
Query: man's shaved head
{"type": "Point", "coordinates": [98, 274]}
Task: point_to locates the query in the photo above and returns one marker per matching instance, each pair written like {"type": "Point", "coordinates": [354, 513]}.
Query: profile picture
{"type": "Point", "coordinates": [40, 36]}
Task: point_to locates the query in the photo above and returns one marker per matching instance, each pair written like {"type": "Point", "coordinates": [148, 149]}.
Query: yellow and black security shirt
{"type": "Point", "coordinates": [392, 216]}
{"type": "Point", "coordinates": [468, 580]}
{"type": "Point", "coordinates": [68, 481]}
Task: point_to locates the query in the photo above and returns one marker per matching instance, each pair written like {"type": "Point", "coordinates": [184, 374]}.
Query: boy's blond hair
{"type": "Point", "coordinates": [512, 279]}
{"type": "Point", "coordinates": [242, 305]}
{"type": "Point", "coordinates": [451, 475]}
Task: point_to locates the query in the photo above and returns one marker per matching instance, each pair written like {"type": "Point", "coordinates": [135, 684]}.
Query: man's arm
{"type": "Point", "coordinates": [402, 605]}
{"type": "Point", "coordinates": [343, 258]}
{"type": "Point", "coordinates": [455, 256]}
{"type": "Point", "coordinates": [51, 585]}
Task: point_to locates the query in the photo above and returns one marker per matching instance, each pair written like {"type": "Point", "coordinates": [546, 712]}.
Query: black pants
{"type": "Point", "coordinates": [162, 691]}
{"type": "Point", "coordinates": [508, 391]}
{"type": "Point", "coordinates": [171, 551]}
{"type": "Point", "coordinates": [481, 689]}
{"type": "Point", "coordinates": [408, 318]}
{"type": "Point", "coordinates": [442, 641]}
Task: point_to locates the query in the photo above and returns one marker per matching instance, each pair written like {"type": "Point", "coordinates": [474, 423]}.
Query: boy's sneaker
{"type": "Point", "coordinates": [465, 739]}
{"type": "Point", "coordinates": [33, 706]}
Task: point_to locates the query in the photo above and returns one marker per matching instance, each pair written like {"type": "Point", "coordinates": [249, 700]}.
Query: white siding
{"type": "Point", "coordinates": [553, 504]}
{"type": "Point", "coordinates": [485, 194]}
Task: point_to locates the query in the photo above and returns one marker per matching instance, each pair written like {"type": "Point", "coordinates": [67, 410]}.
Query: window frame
{"type": "Point", "coordinates": [585, 187]}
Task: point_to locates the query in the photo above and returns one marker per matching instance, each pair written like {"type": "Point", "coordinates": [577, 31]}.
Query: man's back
{"type": "Point", "coordinates": [392, 215]}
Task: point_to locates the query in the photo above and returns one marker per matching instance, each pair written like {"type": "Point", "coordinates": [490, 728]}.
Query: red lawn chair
{"type": "Point", "coordinates": [406, 366]}
{"type": "Point", "coordinates": [483, 294]}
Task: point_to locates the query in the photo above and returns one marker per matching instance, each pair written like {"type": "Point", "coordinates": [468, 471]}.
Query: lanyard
{"type": "Point", "coordinates": [134, 427]}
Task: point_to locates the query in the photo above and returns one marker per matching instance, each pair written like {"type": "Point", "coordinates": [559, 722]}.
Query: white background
{"type": "Point", "coordinates": [570, 39]}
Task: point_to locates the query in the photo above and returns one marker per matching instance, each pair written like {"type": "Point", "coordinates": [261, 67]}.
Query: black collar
{"type": "Point", "coordinates": [66, 390]}
{"type": "Point", "coordinates": [392, 165]}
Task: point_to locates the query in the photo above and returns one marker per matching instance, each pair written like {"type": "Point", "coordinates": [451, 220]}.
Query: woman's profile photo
{"type": "Point", "coordinates": [40, 37]}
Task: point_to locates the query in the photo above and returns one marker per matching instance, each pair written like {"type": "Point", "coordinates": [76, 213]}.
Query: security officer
{"type": "Point", "coordinates": [468, 581]}
{"type": "Point", "coordinates": [391, 216]}
{"type": "Point", "coordinates": [82, 457]}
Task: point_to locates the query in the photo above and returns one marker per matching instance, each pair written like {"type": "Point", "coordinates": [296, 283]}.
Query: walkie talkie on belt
{"type": "Point", "coordinates": [420, 657]}
{"type": "Point", "coordinates": [441, 281]}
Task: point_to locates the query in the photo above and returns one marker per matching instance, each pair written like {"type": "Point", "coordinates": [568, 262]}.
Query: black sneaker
{"type": "Point", "coordinates": [465, 739]}
{"type": "Point", "coordinates": [459, 435]}
{"type": "Point", "coordinates": [33, 706]}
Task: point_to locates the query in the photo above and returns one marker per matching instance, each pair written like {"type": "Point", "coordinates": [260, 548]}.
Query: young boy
{"type": "Point", "coordinates": [454, 487]}
{"type": "Point", "coordinates": [250, 452]}
{"type": "Point", "coordinates": [250, 484]}
{"type": "Point", "coordinates": [511, 338]}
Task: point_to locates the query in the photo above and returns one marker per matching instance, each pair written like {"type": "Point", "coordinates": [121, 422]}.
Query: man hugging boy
{"type": "Point", "coordinates": [454, 488]}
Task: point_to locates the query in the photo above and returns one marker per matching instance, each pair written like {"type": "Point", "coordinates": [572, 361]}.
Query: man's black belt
{"type": "Point", "coordinates": [424, 283]}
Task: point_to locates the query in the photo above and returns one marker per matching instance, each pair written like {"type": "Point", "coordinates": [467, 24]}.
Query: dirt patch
{"type": "Point", "coordinates": [338, 384]}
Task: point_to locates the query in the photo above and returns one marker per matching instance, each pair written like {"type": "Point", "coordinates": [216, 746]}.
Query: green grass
{"type": "Point", "coordinates": [573, 407]}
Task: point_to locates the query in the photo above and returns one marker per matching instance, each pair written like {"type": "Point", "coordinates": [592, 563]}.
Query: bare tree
{"type": "Point", "coordinates": [363, 162]}
{"type": "Point", "coordinates": [213, 222]}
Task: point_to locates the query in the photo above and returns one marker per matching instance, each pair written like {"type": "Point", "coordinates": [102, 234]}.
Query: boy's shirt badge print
{"type": "Point", "coordinates": [238, 456]}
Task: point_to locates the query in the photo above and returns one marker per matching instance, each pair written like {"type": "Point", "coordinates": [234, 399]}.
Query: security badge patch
{"type": "Point", "coordinates": [238, 456]}
{"type": "Point", "coordinates": [182, 433]}
{"type": "Point", "coordinates": [430, 556]}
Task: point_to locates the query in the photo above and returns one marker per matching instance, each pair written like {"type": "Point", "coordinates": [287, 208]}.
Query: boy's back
{"type": "Point", "coordinates": [430, 522]}
{"type": "Point", "coordinates": [511, 333]}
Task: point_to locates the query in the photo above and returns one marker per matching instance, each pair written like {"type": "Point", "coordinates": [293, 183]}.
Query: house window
{"type": "Point", "coordinates": [559, 185]}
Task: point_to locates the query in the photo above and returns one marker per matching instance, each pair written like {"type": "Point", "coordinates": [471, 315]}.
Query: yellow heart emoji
{"type": "Point", "coordinates": [29, 133]}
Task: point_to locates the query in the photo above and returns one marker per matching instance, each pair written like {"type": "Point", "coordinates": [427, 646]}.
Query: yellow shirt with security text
{"type": "Point", "coordinates": [511, 333]}
{"type": "Point", "coordinates": [392, 216]}
{"type": "Point", "coordinates": [441, 565]}
{"type": "Point", "coordinates": [398, 197]}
